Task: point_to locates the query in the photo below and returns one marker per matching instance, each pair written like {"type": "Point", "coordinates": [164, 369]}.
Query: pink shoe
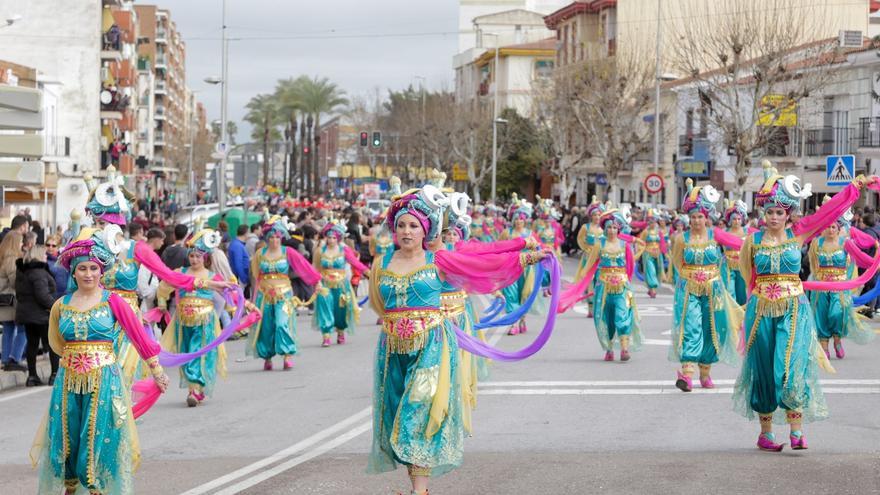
{"type": "Point", "coordinates": [609, 355]}
{"type": "Point", "coordinates": [767, 442]}
{"type": "Point", "coordinates": [684, 382]}
{"type": "Point", "coordinates": [191, 400]}
{"type": "Point", "coordinates": [513, 330]}
{"type": "Point", "coordinates": [590, 313]}
{"type": "Point", "coordinates": [624, 355]}
{"type": "Point", "coordinates": [798, 442]}
{"type": "Point", "coordinates": [652, 293]}
{"type": "Point", "coordinates": [340, 338]}
{"type": "Point", "coordinates": [199, 396]}
{"type": "Point", "coordinates": [706, 382]}
{"type": "Point", "coordinates": [839, 352]}
{"type": "Point", "coordinates": [522, 327]}
{"type": "Point", "coordinates": [326, 342]}
{"type": "Point", "coordinates": [827, 354]}
{"type": "Point", "coordinates": [288, 364]}
{"type": "Point", "coordinates": [267, 365]}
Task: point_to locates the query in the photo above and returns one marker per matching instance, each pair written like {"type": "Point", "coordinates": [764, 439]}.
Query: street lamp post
{"type": "Point", "coordinates": [657, 78]}
{"type": "Point", "coordinates": [495, 117]}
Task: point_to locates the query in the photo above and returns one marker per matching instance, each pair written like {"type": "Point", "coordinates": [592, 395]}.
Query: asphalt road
{"type": "Point", "coordinates": [563, 421]}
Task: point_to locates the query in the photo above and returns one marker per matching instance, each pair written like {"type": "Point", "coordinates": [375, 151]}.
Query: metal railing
{"type": "Point", "coordinates": [56, 145]}
{"type": "Point", "coordinates": [869, 132]}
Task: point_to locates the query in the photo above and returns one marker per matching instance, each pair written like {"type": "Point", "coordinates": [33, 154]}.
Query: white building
{"type": "Point", "coordinates": [526, 53]}
{"type": "Point", "coordinates": [470, 10]}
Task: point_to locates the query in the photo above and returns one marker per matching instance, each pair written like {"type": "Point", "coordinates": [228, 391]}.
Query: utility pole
{"type": "Point", "coordinates": [657, 78]}
{"type": "Point", "coordinates": [495, 118]}
{"type": "Point", "coordinates": [224, 134]}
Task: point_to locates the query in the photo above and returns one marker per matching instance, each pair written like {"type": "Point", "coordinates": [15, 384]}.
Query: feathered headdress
{"type": "Point", "coordinates": [203, 239]}
{"type": "Point", "coordinates": [781, 191]}
{"type": "Point", "coordinates": [109, 201]}
{"type": "Point", "coordinates": [615, 217]}
{"type": "Point", "coordinates": [700, 198]}
{"type": "Point", "coordinates": [457, 214]}
{"type": "Point", "coordinates": [335, 228]}
{"type": "Point", "coordinates": [738, 208]}
{"type": "Point", "coordinates": [92, 244]}
{"type": "Point", "coordinates": [393, 187]}
{"type": "Point", "coordinates": [276, 225]}
{"type": "Point", "coordinates": [519, 209]}
{"type": "Point", "coordinates": [427, 204]}
{"type": "Point", "coordinates": [545, 209]}
{"type": "Point", "coordinates": [595, 206]}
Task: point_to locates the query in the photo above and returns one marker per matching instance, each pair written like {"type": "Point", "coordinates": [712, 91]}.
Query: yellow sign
{"type": "Point", "coordinates": [777, 111]}
{"type": "Point", "coordinates": [459, 173]}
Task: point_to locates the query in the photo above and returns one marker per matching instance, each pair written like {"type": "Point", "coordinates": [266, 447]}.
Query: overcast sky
{"type": "Point", "coordinates": [359, 50]}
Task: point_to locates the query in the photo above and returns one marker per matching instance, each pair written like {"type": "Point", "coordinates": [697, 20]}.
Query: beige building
{"type": "Point", "coordinates": [589, 29]}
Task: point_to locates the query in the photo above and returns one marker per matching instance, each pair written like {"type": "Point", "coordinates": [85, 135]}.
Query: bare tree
{"type": "Point", "coordinates": [608, 98]}
{"type": "Point", "coordinates": [751, 67]}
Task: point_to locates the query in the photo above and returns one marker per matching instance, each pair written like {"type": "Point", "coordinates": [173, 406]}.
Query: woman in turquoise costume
{"type": "Point", "coordinates": [680, 224]}
{"type": "Point", "coordinates": [654, 257]}
{"type": "Point", "coordinates": [735, 217]}
{"type": "Point", "coordinates": [706, 319]}
{"type": "Point", "coordinates": [275, 333]}
{"type": "Point", "coordinates": [547, 229]}
{"type": "Point", "coordinates": [779, 378]}
{"type": "Point", "coordinates": [195, 322]}
{"type": "Point", "coordinates": [836, 316]}
{"type": "Point", "coordinates": [110, 204]}
{"type": "Point", "coordinates": [417, 403]}
{"type": "Point", "coordinates": [336, 306]}
{"type": "Point", "coordinates": [88, 442]}
{"type": "Point", "coordinates": [515, 294]}
{"type": "Point", "coordinates": [612, 260]}
{"type": "Point", "coordinates": [588, 238]}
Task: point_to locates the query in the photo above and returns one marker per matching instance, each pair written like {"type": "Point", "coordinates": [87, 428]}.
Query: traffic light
{"type": "Point", "coordinates": [305, 150]}
{"type": "Point", "coordinates": [364, 138]}
{"type": "Point", "coordinates": [377, 139]}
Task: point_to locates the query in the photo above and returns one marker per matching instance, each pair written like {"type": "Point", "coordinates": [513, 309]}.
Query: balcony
{"type": "Point", "coordinates": [113, 102]}
{"type": "Point", "coordinates": [159, 113]}
{"type": "Point", "coordinates": [161, 62]}
{"type": "Point", "coordinates": [161, 36]}
{"type": "Point", "coordinates": [869, 132]}
{"type": "Point", "coordinates": [161, 87]}
{"type": "Point", "coordinates": [56, 146]}
{"type": "Point", "coordinates": [111, 44]}
{"type": "Point", "coordinates": [159, 138]}
{"type": "Point", "coordinates": [143, 63]}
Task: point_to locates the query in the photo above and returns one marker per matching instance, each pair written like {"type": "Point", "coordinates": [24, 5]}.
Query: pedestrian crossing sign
{"type": "Point", "coordinates": [840, 169]}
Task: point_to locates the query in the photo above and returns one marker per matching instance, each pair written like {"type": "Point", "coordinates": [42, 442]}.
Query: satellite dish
{"type": "Point", "coordinates": [106, 97]}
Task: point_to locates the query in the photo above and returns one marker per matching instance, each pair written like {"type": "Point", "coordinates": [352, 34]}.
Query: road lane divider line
{"type": "Point", "coordinates": [639, 383]}
{"type": "Point", "coordinates": [649, 391]}
{"type": "Point", "coordinates": [23, 393]}
{"type": "Point", "coordinates": [280, 455]}
{"type": "Point", "coordinates": [306, 456]}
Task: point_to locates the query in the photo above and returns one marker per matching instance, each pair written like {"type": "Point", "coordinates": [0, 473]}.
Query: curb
{"type": "Point", "coordinates": [15, 379]}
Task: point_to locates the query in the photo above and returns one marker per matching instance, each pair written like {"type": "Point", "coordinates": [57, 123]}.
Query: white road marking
{"type": "Point", "coordinates": [656, 341]}
{"type": "Point", "coordinates": [667, 332]}
{"type": "Point", "coordinates": [648, 383]}
{"type": "Point", "coordinates": [307, 456]}
{"type": "Point", "coordinates": [23, 393]}
{"type": "Point", "coordinates": [647, 391]}
{"type": "Point", "coordinates": [281, 455]}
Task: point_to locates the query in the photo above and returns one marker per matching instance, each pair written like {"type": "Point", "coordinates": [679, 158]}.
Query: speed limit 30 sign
{"type": "Point", "coordinates": [653, 183]}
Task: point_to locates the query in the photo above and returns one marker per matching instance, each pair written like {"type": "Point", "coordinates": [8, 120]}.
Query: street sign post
{"type": "Point", "coordinates": [840, 169]}
{"type": "Point", "coordinates": [653, 183]}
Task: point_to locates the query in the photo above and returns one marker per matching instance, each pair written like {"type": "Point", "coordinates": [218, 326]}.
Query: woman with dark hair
{"type": "Point", "coordinates": [35, 295]}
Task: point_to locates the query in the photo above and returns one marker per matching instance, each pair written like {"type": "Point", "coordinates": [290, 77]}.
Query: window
{"type": "Point", "coordinates": [543, 69]}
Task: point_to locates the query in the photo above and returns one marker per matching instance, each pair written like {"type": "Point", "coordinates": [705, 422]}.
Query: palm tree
{"type": "Point", "coordinates": [288, 96]}
{"type": "Point", "coordinates": [263, 115]}
{"type": "Point", "coordinates": [318, 96]}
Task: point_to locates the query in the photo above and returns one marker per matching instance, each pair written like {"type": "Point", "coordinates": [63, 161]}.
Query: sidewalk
{"type": "Point", "coordinates": [14, 379]}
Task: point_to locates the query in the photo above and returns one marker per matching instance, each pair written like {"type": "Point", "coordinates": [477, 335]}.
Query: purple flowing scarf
{"type": "Point", "coordinates": [480, 348]}
{"type": "Point", "coordinates": [493, 309]}
{"type": "Point", "coordinates": [363, 301]}
{"type": "Point", "coordinates": [238, 322]}
{"type": "Point", "coordinates": [517, 314]}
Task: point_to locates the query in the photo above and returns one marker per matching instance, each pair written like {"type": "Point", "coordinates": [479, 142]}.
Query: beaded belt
{"type": "Point", "coordinates": [699, 278]}
{"type": "Point", "coordinates": [332, 277]}
{"type": "Point", "coordinates": [275, 287]}
{"type": "Point", "coordinates": [128, 296]}
{"type": "Point", "coordinates": [774, 292]}
{"type": "Point", "coordinates": [407, 330]}
{"type": "Point", "coordinates": [830, 273]}
{"type": "Point", "coordinates": [652, 248]}
{"type": "Point", "coordinates": [192, 311]}
{"type": "Point", "coordinates": [732, 259]}
{"type": "Point", "coordinates": [83, 361]}
{"type": "Point", "coordinates": [613, 279]}
{"type": "Point", "coordinates": [453, 302]}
